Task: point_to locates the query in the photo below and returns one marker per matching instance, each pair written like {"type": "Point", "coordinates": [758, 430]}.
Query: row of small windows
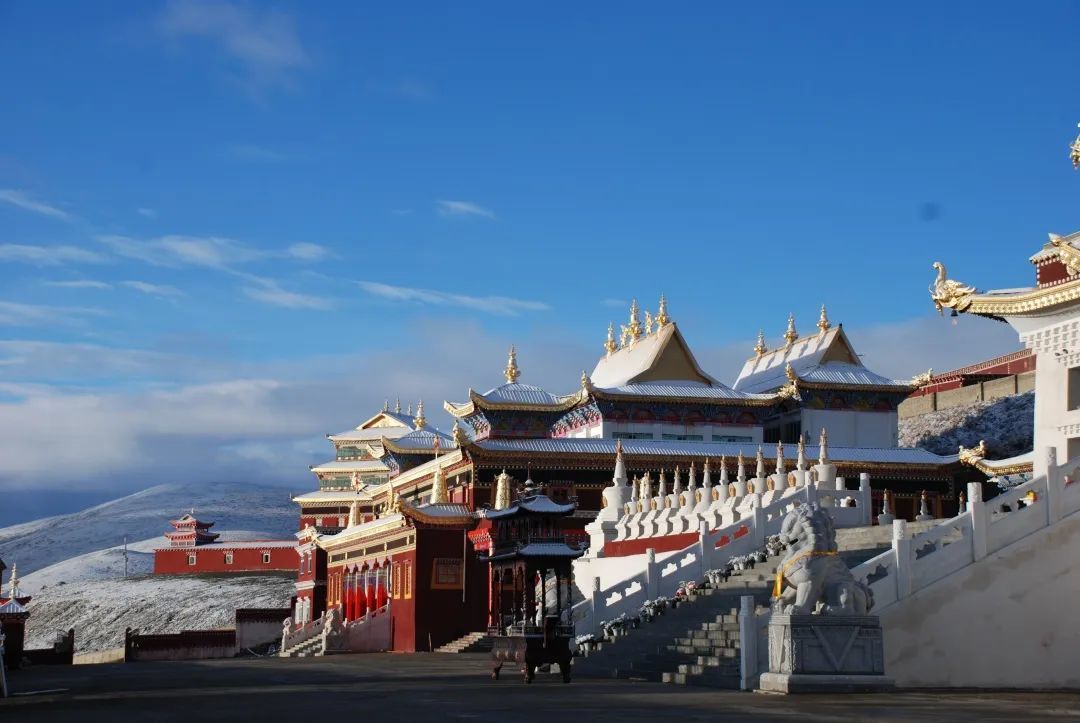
{"type": "Point", "coordinates": [229, 558]}
{"type": "Point", "coordinates": [682, 437]}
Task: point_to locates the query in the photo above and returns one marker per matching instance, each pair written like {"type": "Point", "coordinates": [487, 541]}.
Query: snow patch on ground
{"type": "Point", "coordinates": [1007, 425]}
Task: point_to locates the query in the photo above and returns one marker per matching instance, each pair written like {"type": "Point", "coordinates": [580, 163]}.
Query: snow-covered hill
{"type": "Point", "coordinates": [261, 510]}
{"type": "Point", "coordinates": [1007, 425]}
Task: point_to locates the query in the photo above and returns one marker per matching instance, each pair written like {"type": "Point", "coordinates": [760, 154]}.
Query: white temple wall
{"type": "Point", "coordinates": [1006, 621]}
{"type": "Point", "coordinates": [849, 428]}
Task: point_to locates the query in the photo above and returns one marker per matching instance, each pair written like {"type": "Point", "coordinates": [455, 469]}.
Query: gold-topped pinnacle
{"type": "Point", "coordinates": [789, 372]}
{"type": "Point", "coordinates": [610, 347]}
{"type": "Point", "coordinates": [632, 331]}
{"type": "Point", "coordinates": [791, 335]}
{"type": "Point", "coordinates": [760, 347]}
{"type": "Point", "coordinates": [1074, 151]}
{"type": "Point", "coordinates": [823, 321]}
{"type": "Point", "coordinates": [585, 381]}
{"type": "Point", "coordinates": [420, 421]}
{"type": "Point", "coordinates": [458, 434]}
{"type": "Point", "coordinates": [648, 322]}
{"type": "Point", "coordinates": [662, 318]}
{"type": "Point", "coordinates": [511, 372]}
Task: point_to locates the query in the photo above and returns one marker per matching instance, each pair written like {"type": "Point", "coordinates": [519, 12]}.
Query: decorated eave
{"type": "Point", "coordinates": [515, 397]}
{"type": "Point", "coordinates": [976, 457]}
{"type": "Point", "coordinates": [535, 549]}
{"type": "Point", "coordinates": [342, 466]}
{"type": "Point", "coordinates": [189, 520]}
{"type": "Point", "coordinates": [420, 441]}
{"type": "Point", "coordinates": [683, 392]}
{"type": "Point", "coordinates": [535, 504]}
{"type": "Point", "coordinates": [333, 497]}
{"type": "Point", "coordinates": [439, 515]}
{"type": "Point", "coordinates": [961, 298]}
{"type": "Point", "coordinates": [384, 424]}
{"type": "Point", "coordinates": [385, 523]}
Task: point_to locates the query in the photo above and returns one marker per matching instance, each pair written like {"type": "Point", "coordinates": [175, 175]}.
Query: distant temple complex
{"type": "Point", "coordinates": [194, 549]}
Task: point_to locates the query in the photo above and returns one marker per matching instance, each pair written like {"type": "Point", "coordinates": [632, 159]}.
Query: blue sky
{"type": "Point", "coordinates": [228, 228]}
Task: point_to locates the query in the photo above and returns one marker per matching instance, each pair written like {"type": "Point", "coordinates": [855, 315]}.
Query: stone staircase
{"type": "Point", "coordinates": [697, 643]}
{"type": "Point", "coordinates": [479, 642]}
{"type": "Point", "coordinates": [308, 648]}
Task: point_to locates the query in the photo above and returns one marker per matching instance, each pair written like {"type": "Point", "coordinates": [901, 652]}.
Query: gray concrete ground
{"type": "Point", "coordinates": [388, 687]}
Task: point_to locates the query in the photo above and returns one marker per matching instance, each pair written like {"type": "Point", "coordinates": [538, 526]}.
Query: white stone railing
{"type": "Point", "coordinates": [712, 549]}
{"type": "Point", "coordinates": [988, 526]}
{"type": "Point", "coordinates": [294, 636]}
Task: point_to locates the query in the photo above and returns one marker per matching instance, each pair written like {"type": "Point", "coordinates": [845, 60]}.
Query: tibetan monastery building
{"type": "Point", "coordinates": [648, 392]}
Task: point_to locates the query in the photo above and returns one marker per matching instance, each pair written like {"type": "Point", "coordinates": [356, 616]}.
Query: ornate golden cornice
{"type": "Point", "coordinates": [1023, 303]}
{"type": "Point", "coordinates": [1068, 254]}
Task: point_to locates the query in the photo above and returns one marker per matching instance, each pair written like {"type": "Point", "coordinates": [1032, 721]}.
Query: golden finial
{"type": "Point", "coordinates": [823, 321]}
{"type": "Point", "coordinates": [610, 347]}
{"type": "Point", "coordinates": [1074, 151]}
{"type": "Point", "coordinates": [648, 322]}
{"type": "Point", "coordinates": [791, 335]}
{"type": "Point", "coordinates": [789, 372]}
{"type": "Point", "coordinates": [585, 381]}
{"type": "Point", "coordinates": [511, 372]}
{"type": "Point", "coordinates": [632, 331]}
{"type": "Point", "coordinates": [760, 347]}
{"type": "Point", "coordinates": [458, 434]}
{"type": "Point", "coordinates": [420, 422]}
{"type": "Point", "coordinates": [662, 318]}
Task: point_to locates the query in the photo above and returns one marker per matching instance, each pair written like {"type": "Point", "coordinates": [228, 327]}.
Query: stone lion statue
{"type": "Point", "coordinates": [812, 572]}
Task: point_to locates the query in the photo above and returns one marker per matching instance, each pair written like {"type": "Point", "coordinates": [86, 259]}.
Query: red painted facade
{"type": "Point", "coordinates": [279, 555]}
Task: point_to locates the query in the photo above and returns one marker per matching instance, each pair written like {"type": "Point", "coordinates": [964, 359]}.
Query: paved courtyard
{"type": "Point", "coordinates": [424, 687]}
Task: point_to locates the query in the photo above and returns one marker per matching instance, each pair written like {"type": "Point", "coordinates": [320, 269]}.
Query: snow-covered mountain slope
{"type": "Point", "coordinates": [262, 511]}
{"type": "Point", "coordinates": [101, 609]}
{"type": "Point", "coordinates": [1007, 425]}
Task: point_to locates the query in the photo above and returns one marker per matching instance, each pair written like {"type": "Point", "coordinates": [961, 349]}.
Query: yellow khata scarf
{"type": "Point", "coordinates": [778, 586]}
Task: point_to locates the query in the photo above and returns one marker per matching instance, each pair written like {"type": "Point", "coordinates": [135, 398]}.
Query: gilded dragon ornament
{"type": "Point", "coordinates": [949, 293]}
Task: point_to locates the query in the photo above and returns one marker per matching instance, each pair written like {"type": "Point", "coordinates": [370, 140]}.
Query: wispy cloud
{"type": "Point", "coordinates": [252, 152]}
{"type": "Point", "coordinates": [49, 255]}
{"type": "Point", "coordinates": [15, 314]}
{"type": "Point", "coordinates": [308, 251]}
{"type": "Point", "coordinates": [205, 251]}
{"type": "Point", "coordinates": [269, 291]}
{"type": "Point", "coordinates": [462, 208]}
{"type": "Point", "coordinates": [162, 290]}
{"type": "Point", "coordinates": [500, 305]}
{"type": "Point", "coordinates": [264, 43]}
{"type": "Point", "coordinates": [23, 200]}
{"type": "Point", "coordinates": [79, 284]}
{"type": "Point", "coordinates": [614, 303]}
{"type": "Point", "coordinates": [146, 212]}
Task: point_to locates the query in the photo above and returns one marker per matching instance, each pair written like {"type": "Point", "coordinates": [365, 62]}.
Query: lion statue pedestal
{"type": "Point", "coordinates": [821, 637]}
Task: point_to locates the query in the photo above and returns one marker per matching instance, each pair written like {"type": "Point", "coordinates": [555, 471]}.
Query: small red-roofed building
{"type": "Point", "coordinates": [194, 549]}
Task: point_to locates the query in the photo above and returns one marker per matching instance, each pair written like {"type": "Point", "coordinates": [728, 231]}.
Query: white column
{"type": "Point", "coordinates": [979, 521]}
{"type": "Point", "coordinates": [902, 550]}
{"type": "Point", "coordinates": [748, 642]}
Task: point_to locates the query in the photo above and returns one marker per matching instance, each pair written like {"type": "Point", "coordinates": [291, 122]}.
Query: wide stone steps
{"type": "Point", "coordinates": [478, 642]}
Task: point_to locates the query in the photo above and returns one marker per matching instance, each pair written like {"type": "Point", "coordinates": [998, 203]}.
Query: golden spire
{"type": "Point", "coordinates": [632, 331]}
{"type": "Point", "coordinates": [458, 434]}
{"type": "Point", "coordinates": [648, 322]}
{"type": "Point", "coordinates": [662, 318]}
{"type": "Point", "coordinates": [585, 381]}
{"type": "Point", "coordinates": [439, 494]}
{"type": "Point", "coordinates": [511, 372]}
{"type": "Point", "coordinates": [760, 347]}
{"type": "Point", "coordinates": [789, 372]}
{"type": "Point", "coordinates": [610, 347]}
{"type": "Point", "coordinates": [791, 335]}
{"type": "Point", "coordinates": [823, 321]}
{"type": "Point", "coordinates": [420, 421]}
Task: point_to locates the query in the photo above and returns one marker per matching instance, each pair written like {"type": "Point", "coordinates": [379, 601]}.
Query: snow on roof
{"type": "Point", "coordinates": [12, 607]}
{"type": "Point", "coordinates": [686, 389]}
{"type": "Point", "coordinates": [351, 465]}
{"type": "Point", "coordinates": [541, 504]}
{"type": "Point", "coordinates": [518, 393]}
{"type": "Point", "coordinates": [423, 440]}
{"type": "Point", "coordinates": [384, 424]}
{"type": "Point", "coordinates": [665, 447]}
{"type": "Point", "coordinates": [645, 358]}
{"type": "Point", "coordinates": [361, 495]}
{"type": "Point", "coordinates": [825, 358]}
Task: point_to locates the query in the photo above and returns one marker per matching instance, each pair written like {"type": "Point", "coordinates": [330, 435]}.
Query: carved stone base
{"type": "Point", "coordinates": [816, 653]}
{"type": "Point", "coordinates": [785, 683]}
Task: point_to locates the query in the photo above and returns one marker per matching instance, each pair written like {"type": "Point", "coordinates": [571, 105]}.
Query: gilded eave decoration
{"type": "Point", "coordinates": [949, 293]}
{"type": "Point", "coordinates": [1068, 254]}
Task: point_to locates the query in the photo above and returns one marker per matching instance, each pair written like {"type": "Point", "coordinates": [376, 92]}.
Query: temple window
{"type": "Point", "coordinates": [266, 558]}
{"type": "Point", "coordinates": [632, 435]}
{"type": "Point", "coordinates": [685, 437]}
{"type": "Point", "coordinates": [1074, 388]}
{"type": "Point", "coordinates": [228, 558]}
{"type": "Point", "coordinates": [191, 559]}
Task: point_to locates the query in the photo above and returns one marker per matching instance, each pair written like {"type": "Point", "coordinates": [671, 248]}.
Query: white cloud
{"type": "Point", "coordinates": [615, 303]}
{"type": "Point", "coordinates": [16, 314]}
{"type": "Point", "coordinates": [79, 284]}
{"type": "Point", "coordinates": [263, 42]}
{"type": "Point", "coordinates": [308, 251]}
{"type": "Point", "coordinates": [269, 291]}
{"type": "Point", "coordinates": [147, 212]}
{"type": "Point", "coordinates": [153, 289]}
{"type": "Point", "coordinates": [206, 251]}
{"type": "Point", "coordinates": [23, 200]}
{"type": "Point", "coordinates": [462, 208]}
{"type": "Point", "coordinates": [501, 305]}
{"type": "Point", "coordinates": [49, 255]}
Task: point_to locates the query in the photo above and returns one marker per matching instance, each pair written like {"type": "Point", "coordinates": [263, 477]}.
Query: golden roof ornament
{"type": "Point", "coordinates": [789, 372]}
{"type": "Point", "coordinates": [458, 434]}
{"type": "Point", "coordinates": [921, 380]}
{"type": "Point", "coordinates": [585, 381]}
{"type": "Point", "coordinates": [648, 322]}
{"type": "Point", "coordinates": [511, 372]}
{"type": "Point", "coordinates": [610, 347]}
{"type": "Point", "coordinates": [662, 318]}
{"type": "Point", "coordinates": [973, 455]}
{"type": "Point", "coordinates": [1074, 151]}
{"type": "Point", "coordinates": [760, 347]}
{"type": "Point", "coordinates": [823, 320]}
{"type": "Point", "coordinates": [1068, 254]}
{"type": "Point", "coordinates": [439, 494]}
{"type": "Point", "coordinates": [632, 331]}
{"type": "Point", "coordinates": [420, 421]}
{"type": "Point", "coordinates": [948, 293]}
{"type": "Point", "coordinates": [791, 335]}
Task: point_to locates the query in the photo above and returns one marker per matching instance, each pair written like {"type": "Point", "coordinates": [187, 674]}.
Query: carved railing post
{"type": "Point", "coordinates": [901, 544]}
{"type": "Point", "coordinates": [980, 545]}
{"type": "Point", "coordinates": [1055, 486]}
{"type": "Point", "coordinates": [703, 549]}
{"type": "Point", "coordinates": [866, 499]}
{"type": "Point", "coordinates": [811, 493]}
{"type": "Point", "coordinates": [597, 604]}
{"type": "Point", "coordinates": [652, 574]}
{"type": "Point", "coordinates": [758, 521]}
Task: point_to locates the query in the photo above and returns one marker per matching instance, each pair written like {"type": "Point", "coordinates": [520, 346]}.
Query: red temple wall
{"type": "Point", "coordinates": [441, 613]}
{"type": "Point", "coordinates": [212, 559]}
